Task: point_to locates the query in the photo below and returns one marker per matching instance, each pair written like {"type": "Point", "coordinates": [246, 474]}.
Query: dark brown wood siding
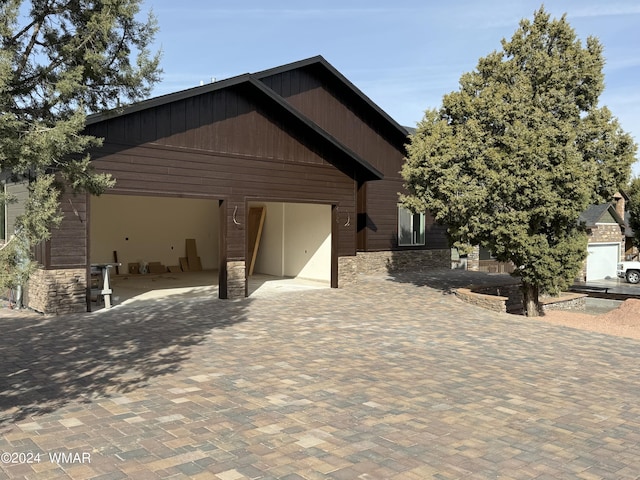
{"type": "Point", "coordinates": [435, 234]}
{"type": "Point", "coordinates": [68, 245]}
{"type": "Point", "coordinates": [361, 130]}
{"type": "Point", "coordinates": [236, 144]}
{"type": "Point", "coordinates": [155, 170]}
{"type": "Point", "coordinates": [246, 155]}
{"type": "Point", "coordinates": [382, 219]}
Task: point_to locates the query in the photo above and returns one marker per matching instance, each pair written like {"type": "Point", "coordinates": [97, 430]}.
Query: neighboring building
{"type": "Point", "coordinates": [606, 230]}
{"type": "Point", "coordinates": [300, 141]}
{"type": "Point", "coordinates": [484, 261]}
{"type": "Point", "coordinates": [606, 244]}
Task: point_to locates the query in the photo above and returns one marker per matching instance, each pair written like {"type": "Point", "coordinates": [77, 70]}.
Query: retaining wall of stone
{"type": "Point", "coordinates": [508, 299]}
{"type": "Point", "coordinates": [566, 301]}
{"type": "Point", "coordinates": [503, 298]}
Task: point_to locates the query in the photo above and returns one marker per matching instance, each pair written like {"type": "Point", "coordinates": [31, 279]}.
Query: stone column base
{"type": "Point", "coordinates": [58, 291]}
{"type": "Point", "coordinates": [236, 282]}
{"type": "Point", "coordinates": [347, 271]}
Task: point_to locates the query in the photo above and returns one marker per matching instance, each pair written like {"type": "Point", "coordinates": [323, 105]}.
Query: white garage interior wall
{"type": "Point", "coordinates": [296, 241]}
{"type": "Point", "coordinates": [153, 229]}
{"type": "Point", "coordinates": [602, 260]}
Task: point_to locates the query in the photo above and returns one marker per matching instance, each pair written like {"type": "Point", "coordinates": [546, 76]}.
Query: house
{"type": "Point", "coordinates": [607, 244]}
{"type": "Point", "coordinates": [299, 142]}
{"type": "Point", "coordinates": [606, 239]}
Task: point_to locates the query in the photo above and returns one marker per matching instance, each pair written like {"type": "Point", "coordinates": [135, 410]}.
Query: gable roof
{"type": "Point", "coordinates": [320, 64]}
{"type": "Point", "coordinates": [594, 214]}
{"type": "Point", "coordinates": [254, 82]}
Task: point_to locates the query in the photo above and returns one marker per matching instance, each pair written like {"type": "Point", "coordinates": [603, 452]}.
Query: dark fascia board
{"type": "Point", "coordinates": [284, 105]}
{"type": "Point", "coordinates": [320, 60]}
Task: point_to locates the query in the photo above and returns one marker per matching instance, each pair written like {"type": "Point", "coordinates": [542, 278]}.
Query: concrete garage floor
{"type": "Point", "coordinates": [129, 288]}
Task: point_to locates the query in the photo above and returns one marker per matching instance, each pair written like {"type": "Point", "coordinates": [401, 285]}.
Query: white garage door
{"type": "Point", "coordinates": [602, 260]}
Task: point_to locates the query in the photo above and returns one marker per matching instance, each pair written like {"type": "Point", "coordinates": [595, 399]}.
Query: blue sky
{"type": "Point", "coordinates": [403, 54]}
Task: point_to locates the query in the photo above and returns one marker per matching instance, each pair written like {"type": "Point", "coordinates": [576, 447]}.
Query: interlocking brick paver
{"type": "Point", "coordinates": [392, 378]}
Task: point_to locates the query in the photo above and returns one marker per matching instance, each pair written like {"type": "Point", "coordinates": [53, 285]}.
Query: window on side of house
{"type": "Point", "coordinates": [410, 228]}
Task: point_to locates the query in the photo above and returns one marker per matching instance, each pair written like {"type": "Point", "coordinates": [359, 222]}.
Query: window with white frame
{"type": "Point", "coordinates": [410, 228]}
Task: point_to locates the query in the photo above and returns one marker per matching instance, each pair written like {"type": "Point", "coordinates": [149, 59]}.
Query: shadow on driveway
{"type": "Point", "coordinates": [50, 361]}
{"type": "Point", "coordinates": [447, 280]}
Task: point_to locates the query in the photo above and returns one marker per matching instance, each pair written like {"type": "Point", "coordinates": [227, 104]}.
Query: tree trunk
{"type": "Point", "coordinates": [530, 300]}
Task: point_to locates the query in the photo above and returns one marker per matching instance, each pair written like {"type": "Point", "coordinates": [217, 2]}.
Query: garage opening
{"type": "Point", "coordinates": [294, 248]}
{"type": "Point", "coordinates": [148, 236]}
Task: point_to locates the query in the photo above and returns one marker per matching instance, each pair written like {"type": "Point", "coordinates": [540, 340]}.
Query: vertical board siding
{"type": "Point", "coordinates": [221, 122]}
{"type": "Point", "coordinates": [330, 109]}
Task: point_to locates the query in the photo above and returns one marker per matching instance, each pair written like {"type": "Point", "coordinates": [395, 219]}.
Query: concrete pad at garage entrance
{"type": "Point", "coordinates": [194, 284]}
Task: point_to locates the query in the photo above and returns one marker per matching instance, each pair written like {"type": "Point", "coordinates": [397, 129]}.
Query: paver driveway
{"type": "Point", "coordinates": [389, 379]}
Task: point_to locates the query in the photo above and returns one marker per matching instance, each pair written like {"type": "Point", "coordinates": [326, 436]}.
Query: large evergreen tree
{"type": "Point", "coordinates": [633, 207]}
{"type": "Point", "coordinates": [60, 60]}
{"type": "Point", "coordinates": [511, 159]}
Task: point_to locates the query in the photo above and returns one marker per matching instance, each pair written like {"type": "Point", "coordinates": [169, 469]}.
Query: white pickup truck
{"type": "Point", "coordinates": [630, 271]}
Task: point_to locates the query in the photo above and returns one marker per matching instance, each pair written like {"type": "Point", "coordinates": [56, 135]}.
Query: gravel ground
{"type": "Point", "coordinates": [623, 321]}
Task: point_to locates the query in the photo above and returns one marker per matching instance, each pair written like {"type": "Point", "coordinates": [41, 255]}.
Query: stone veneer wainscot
{"type": "Point", "coordinates": [58, 291]}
